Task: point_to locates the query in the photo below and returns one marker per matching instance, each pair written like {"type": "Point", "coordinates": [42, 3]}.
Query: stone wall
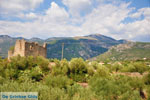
{"type": "Point", "coordinates": [24, 48]}
{"type": "Point", "coordinates": [19, 48]}
{"type": "Point", "coordinates": [33, 49]}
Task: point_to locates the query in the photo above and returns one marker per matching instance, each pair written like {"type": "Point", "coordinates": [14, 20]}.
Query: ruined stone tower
{"type": "Point", "coordinates": [24, 48]}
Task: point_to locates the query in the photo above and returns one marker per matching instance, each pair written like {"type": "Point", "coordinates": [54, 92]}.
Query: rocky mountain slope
{"type": "Point", "coordinates": [128, 51]}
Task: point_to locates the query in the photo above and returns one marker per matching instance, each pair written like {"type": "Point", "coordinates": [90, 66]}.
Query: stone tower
{"type": "Point", "coordinates": [24, 48]}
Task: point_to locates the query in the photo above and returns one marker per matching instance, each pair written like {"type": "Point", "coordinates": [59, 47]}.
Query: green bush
{"type": "Point", "coordinates": [76, 92]}
{"type": "Point", "coordinates": [135, 67]}
{"type": "Point", "coordinates": [73, 89]}
{"type": "Point", "coordinates": [78, 66]}
{"type": "Point", "coordinates": [2, 80]}
{"type": "Point", "coordinates": [91, 71]}
{"type": "Point", "coordinates": [24, 76]}
{"type": "Point", "coordinates": [102, 71]}
{"type": "Point", "coordinates": [79, 77]}
{"type": "Point", "coordinates": [31, 62]}
{"type": "Point", "coordinates": [128, 68]}
{"type": "Point", "coordinates": [94, 64]}
{"type": "Point", "coordinates": [140, 67]}
{"type": "Point", "coordinates": [146, 79]}
{"type": "Point", "coordinates": [61, 82]}
{"type": "Point", "coordinates": [61, 68]}
{"type": "Point", "coordinates": [57, 81]}
{"type": "Point", "coordinates": [116, 66]}
{"type": "Point", "coordinates": [42, 63]}
{"type": "Point", "coordinates": [53, 94]}
{"type": "Point", "coordinates": [11, 73]}
{"type": "Point", "coordinates": [19, 63]}
{"type": "Point", "coordinates": [116, 87]}
{"type": "Point", "coordinates": [36, 73]}
{"type": "Point", "coordinates": [64, 67]}
{"type": "Point", "coordinates": [78, 69]}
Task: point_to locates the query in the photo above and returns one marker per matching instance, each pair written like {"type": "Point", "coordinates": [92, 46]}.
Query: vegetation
{"type": "Point", "coordinates": [129, 51]}
{"type": "Point", "coordinates": [12, 48]}
{"type": "Point", "coordinates": [63, 80]}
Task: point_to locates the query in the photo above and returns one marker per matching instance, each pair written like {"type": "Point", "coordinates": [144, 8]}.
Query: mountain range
{"type": "Point", "coordinates": [81, 46]}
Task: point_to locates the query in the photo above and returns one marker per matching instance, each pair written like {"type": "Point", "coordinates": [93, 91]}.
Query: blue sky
{"type": "Point", "coordinates": [120, 19]}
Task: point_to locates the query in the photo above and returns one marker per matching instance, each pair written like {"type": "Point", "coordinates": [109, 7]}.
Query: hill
{"type": "Point", "coordinates": [129, 51]}
{"type": "Point", "coordinates": [84, 46]}
{"type": "Point", "coordinates": [5, 43]}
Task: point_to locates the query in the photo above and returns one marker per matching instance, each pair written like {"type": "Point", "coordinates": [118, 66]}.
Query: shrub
{"type": "Point", "coordinates": [146, 79]}
{"type": "Point", "coordinates": [61, 68]}
{"type": "Point", "coordinates": [128, 68]}
{"type": "Point", "coordinates": [64, 67]}
{"type": "Point", "coordinates": [36, 73]}
{"type": "Point", "coordinates": [31, 74]}
{"type": "Point", "coordinates": [135, 67]}
{"type": "Point", "coordinates": [78, 66]}
{"type": "Point", "coordinates": [140, 67]}
{"type": "Point", "coordinates": [19, 63]}
{"type": "Point", "coordinates": [76, 92]}
{"type": "Point", "coordinates": [79, 77]}
{"type": "Point", "coordinates": [116, 67]}
{"type": "Point", "coordinates": [2, 80]}
{"type": "Point", "coordinates": [24, 76]}
{"type": "Point", "coordinates": [42, 63]}
{"type": "Point", "coordinates": [78, 69]}
{"type": "Point", "coordinates": [10, 73]}
{"type": "Point", "coordinates": [94, 64]}
{"type": "Point", "coordinates": [52, 94]}
{"type": "Point", "coordinates": [57, 81]}
{"type": "Point", "coordinates": [116, 87]}
{"type": "Point", "coordinates": [90, 71]}
{"type": "Point", "coordinates": [148, 92]}
{"type": "Point", "coordinates": [102, 71]}
{"type": "Point", "coordinates": [31, 62]}
{"type": "Point", "coordinates": [56, 71]}
{"type": "Point", "coordinates": [72, 90]}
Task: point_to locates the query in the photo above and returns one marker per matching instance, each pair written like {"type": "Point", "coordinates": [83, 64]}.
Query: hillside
{"type": "Point", "coordinates": [5, 43]}
{"type": "Point", "coordinates": [85, 46]}
{"type": "Point", "coordinates": [129, 51]}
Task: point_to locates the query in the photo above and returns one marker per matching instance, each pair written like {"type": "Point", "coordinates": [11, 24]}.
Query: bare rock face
{"type": "Point", "coordinates": [24, 48]}
{"type": "Point", "coordinates": [121, 47]}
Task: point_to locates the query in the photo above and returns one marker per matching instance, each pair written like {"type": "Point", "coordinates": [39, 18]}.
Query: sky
{"type": "Point", "coordinates": [119, 19]}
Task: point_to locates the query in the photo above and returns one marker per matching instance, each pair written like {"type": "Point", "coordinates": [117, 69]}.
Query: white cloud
{"type": "Point", "coordinates": [55, 14]}
{"type": "Point", "coordinates": [136, 15]}
{"type": "Point", "coordinates": [143, 11]}
{"type": "Point", "coordinates": [106, 19]}
{"type": "Point", "coordinates": [12, 7]}
{"type": "Point", "coordinates": [146, 12]}
{"type": "Point", "coordinates": [28, 16]}
{"type": "Point", "coordinates": [137, 28]}
{"type": "Point", "coordinates": [52, 23]}
{"type": "Point", "coordinates": [31, 15]}
{"type": "Point", "coordinates": [76, 7]}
